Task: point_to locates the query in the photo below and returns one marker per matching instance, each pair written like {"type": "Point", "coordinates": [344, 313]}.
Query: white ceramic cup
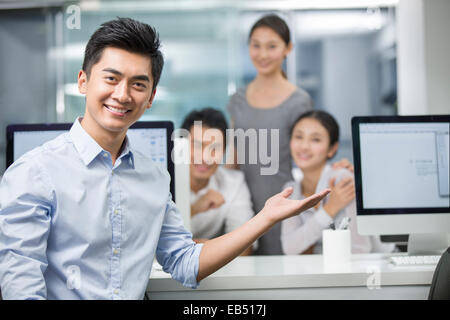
{"type": "Point", "coordinates": [336, 246]}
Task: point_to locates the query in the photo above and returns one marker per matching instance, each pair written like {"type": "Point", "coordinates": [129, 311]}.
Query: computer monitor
{"type": "Point", "coordinates": [152, 138]}
{"type": "Point", "coordinates": [402, 179]}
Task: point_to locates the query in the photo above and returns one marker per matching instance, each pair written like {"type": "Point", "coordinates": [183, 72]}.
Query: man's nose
{"type": "Point", "coordinates": [121, 93]}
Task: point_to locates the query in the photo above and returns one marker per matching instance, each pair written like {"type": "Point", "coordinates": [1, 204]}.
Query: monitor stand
{"type": "Point", "coordinates": [428, 243]}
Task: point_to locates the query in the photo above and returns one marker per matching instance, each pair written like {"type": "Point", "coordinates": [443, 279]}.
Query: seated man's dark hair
{"type": "Point", "coordinates": [129, 35]}
{"type": "Point", "coordinates": [209, 117]}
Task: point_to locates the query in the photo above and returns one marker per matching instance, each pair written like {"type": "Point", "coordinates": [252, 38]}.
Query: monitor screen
{"type": "Point", "coordinates": [152, 138]}
{"type": "Point", "coordinates": [401, 164]}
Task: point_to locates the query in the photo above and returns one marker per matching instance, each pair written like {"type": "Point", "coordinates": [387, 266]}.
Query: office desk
{"type": "Point", "coordinates": [367, 276]}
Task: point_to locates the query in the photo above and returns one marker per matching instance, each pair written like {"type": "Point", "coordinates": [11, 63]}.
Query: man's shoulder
{"type": "Point", "coordinates": [47, 151]}
{"type": "Point", "coordinates": [39, 163]}
{"type": "Point", "coordinates": [145, 164]}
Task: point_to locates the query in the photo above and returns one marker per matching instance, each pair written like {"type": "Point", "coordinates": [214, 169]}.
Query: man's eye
{"type": "Point", "coordinates": [110, 78]}
{"type": "Point", "coordinates": [140, 85]}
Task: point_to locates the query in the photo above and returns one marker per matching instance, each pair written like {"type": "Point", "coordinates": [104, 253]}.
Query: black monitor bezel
{"type": "Point", "coordinates": [356, 121]}
{"type": "Point", "coordinates": [168, 125]}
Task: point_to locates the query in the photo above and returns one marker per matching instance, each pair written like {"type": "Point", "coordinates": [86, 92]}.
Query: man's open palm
{"type": "Point", "coordinates": [279, 207]}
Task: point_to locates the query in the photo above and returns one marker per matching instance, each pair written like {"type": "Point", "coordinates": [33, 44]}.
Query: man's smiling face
{"type": "Point", "coordinates": [118, 91]}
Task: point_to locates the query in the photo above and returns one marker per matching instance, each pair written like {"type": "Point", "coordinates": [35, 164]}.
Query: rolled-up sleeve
{"type": "Point", "coordinates": [26, 199]}
{"type": "Point", "coordinates": [177, 253]}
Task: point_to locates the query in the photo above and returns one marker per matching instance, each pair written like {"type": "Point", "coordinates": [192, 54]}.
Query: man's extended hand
{"type": "Point", "coordinates": [279, 207]}
{"type": "Point", "coordinates": [219, 251]}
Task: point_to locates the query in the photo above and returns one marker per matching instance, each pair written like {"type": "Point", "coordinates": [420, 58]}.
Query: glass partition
{"type": "Point", "coordinates": [345, 59]}
{"type": "Point", "coordinates": [196, 47]}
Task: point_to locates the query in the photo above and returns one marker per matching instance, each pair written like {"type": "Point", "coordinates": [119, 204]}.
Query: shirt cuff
{"type": "Point", "coordinates": [193, 283]}
{"type": "Point", "coordinates": [322, 218]}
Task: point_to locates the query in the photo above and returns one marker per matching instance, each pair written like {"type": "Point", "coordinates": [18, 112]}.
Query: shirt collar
{"type": "Point", "coordinates": [127, 151]}
{"type": "Point", "coordinates": [89, 149]}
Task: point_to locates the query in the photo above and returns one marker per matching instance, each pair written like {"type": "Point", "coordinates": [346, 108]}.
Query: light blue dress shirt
{"type": "Point", "coordinates": [73, 226]}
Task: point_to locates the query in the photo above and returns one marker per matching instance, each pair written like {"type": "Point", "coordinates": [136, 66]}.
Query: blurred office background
{"type": "Point", "coordinates": [346, 55]}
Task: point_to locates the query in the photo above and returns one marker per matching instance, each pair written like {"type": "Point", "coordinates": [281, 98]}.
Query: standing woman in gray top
{"type": "Point", "coordinates": [269, 102]}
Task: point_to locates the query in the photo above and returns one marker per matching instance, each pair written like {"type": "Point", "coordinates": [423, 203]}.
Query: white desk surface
{"type": "Point", "coordinates": [367, 276]}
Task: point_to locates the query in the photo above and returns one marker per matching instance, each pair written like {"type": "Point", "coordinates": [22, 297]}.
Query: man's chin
{"type": "Point", "coordinates": [204, 173]}
{"type": "Point", "coordinates": [117, 125]}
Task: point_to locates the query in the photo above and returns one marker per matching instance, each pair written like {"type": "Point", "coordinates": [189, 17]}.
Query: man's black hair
{"type": "Point", "coordinates": [129, 35]}
{"type": "Point", "coordinates": [209, 117]}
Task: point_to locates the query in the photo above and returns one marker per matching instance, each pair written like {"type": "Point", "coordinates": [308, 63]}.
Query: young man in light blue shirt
{"type": "Point", "coordinates": [83, 216]}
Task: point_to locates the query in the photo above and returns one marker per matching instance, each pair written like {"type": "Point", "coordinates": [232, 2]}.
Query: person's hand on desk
{"type": "Point", "coordinates": [210, 200]}
{"type": "Point", "coordinates": [342, 193]}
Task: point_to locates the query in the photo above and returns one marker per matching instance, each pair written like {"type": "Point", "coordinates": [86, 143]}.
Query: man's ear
{"type": "Point", "coordinates": [333, 150]}
{"type": "Point", "coordinates": [82, 82]}
{"type": "Point", "coordinates": [152, 97]}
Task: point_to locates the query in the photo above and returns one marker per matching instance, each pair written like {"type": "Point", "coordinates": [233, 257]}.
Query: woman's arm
{"type": "Point", "coordinates": [296, 237]}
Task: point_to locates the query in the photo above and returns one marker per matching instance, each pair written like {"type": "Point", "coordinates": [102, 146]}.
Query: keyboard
{"type": "Point", "coordinates": [414, 260]}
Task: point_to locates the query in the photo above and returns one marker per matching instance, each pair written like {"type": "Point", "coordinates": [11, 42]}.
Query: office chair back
{"type": "Point", "coordinates": [440, 285]}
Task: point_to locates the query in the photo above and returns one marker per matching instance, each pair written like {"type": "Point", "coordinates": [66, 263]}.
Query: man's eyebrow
{"type": "Point", "coordinates": [114, 71]}
{"type": "Point", "coordinates": [142, 77]}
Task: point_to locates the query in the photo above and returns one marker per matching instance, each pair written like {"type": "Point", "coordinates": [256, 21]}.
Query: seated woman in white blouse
{"type": "Point", "coordinates": [314, 140]}
{"type": "Point", "coordinates": [220, 199]}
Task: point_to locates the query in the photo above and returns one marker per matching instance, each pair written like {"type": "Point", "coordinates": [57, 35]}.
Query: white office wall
{"type": "Point", "coordinates": [437, 55]}
{"type": "Point", "coordinates": [345, 80]}
{"type": "Point", "coordinates": [423, 53]}
{"type": "Point", "coordinates": [411, 59]}
{"type": "Point", "coordinates": [26, 85]}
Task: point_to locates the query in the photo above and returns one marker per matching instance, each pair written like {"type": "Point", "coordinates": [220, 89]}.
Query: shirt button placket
{"type": "Point", "coordinates": [116, 219]}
